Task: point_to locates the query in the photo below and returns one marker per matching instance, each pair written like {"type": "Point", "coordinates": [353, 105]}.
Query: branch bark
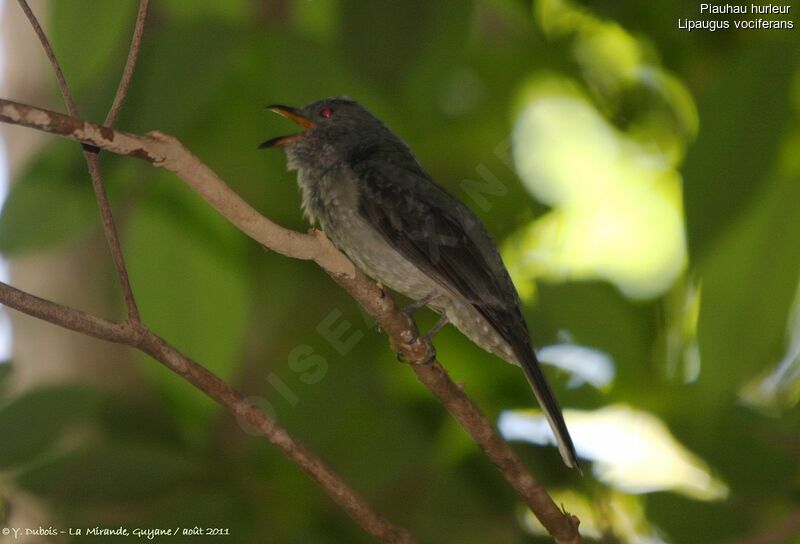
{"type": "Point", "coordinates": [130, 64]}
{"type": "Point", "coordinates": [167, 152]}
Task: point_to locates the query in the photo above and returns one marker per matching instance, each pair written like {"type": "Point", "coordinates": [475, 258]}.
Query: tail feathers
{"type": "Point", "coordinates": [552, 411]}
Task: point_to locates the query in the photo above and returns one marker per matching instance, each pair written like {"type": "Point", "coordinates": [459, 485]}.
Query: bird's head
{"type": "Point", "coordinates": [335, 130]}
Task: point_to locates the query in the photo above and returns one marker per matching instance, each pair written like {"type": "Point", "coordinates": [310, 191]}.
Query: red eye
{"type": "Point", "coordinates": [326, 112]}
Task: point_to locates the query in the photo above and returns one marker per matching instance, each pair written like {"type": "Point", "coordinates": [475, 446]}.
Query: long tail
{"type": "Point", "coordinates": [552, 411]}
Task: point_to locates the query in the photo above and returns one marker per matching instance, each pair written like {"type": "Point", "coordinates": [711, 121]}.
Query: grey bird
{"type": "Point", "coordinates": [364, 187]}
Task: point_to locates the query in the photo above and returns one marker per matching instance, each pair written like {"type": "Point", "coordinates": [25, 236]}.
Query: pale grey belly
{"type": "Point", "coordinates": [376, 258]}
{"type": "Point", "coordinates": [370, 252]}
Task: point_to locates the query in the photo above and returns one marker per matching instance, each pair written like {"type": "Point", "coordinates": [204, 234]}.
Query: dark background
{"type": "Point", "coordinates": [448, 77]}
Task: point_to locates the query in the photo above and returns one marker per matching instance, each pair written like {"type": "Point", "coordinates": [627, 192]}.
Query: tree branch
{"type": "Point", "coordinates": [90, 154]}
{"type": "Point", "coordinates": [137, 335]}
{"type": "Point", "coordinates": [168, 152]}
{"type": "Point", "coordinates": [130, 64]}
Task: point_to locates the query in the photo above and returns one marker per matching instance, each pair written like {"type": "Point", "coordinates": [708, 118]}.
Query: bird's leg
{"type": "Point", "coordinates": [429, 337]}
{"type": "Point", "coordinates": [409, 311]}
{"type": "Point", "coordinates": [414, 307]}
{"type": "Point", "coordinates": [437, 327]}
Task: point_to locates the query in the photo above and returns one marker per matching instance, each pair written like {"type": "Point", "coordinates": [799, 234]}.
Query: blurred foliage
{"type": "Point", "coordinates": [614, 514]}
{"type": "Point", "coordinates": [623, 444]}
{"type": "Point", "coordinates": [67, 203]}
{"type": "Point", "coordinates": [720, 111]}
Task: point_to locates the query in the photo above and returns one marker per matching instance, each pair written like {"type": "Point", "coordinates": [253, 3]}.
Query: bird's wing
{"type": "Point", "coordinates": [445, 240]}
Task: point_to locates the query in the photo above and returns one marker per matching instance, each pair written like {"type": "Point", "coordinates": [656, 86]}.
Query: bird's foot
{"type": "Point", "coordinates": [427, 339]}
{"type": "Point", "coordinates": [422, 344]}
{"type": "Point", "coordinates": [418, 348]}
{"type": "Point", "coordinates": [430, 357]}
{"type": "Point", "coordinates": [419, 357]}
{"type": "Point", "coordinates": [414, 348]}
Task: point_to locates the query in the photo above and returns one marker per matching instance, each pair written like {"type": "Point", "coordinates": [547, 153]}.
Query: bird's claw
{"type": "Point", "coordinates": [423, 346]}
{"type": "Point", "coordinates": [419, 351]}
{"type": "Point", "coordinates": [431, 357]}
{"type": "Point", "coordinates": [415, 347]}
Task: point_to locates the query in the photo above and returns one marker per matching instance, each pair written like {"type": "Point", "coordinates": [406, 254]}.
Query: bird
{"type": "Point", "coordinates": [364, 187]}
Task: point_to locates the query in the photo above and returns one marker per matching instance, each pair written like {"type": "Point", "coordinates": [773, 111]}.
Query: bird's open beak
{"type": "Point", "coordinates": [294, 115]}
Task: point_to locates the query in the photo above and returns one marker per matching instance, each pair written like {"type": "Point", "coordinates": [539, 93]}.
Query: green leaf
{"type": "Point", "coordinates": [51, 203]}
{"type": "Point", "coordinates": [32, 422]}
{"type": "Point", "coordinates": [193, 294]}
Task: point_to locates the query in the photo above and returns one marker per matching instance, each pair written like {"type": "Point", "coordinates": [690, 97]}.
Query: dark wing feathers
{"type": "Point", "coordinates": [442, 237]}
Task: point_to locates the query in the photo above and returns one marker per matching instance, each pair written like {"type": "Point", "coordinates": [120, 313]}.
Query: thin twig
{"type": "Point", "coordinates": [168, 152]}
{"type": "Point", "coordinates": [130, 64]}
{"type": "Point", "coordinates": [137, 335]}
{"type": "Point", "coordinates": [92, 163]}
{"type": "Point", "coordinates": [48, 50]}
